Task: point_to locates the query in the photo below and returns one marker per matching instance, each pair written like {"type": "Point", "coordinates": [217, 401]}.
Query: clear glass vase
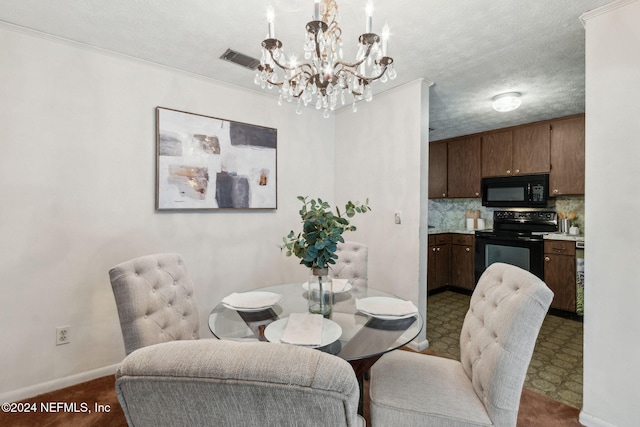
{"type": "Point", "coordinates": [320, 294]}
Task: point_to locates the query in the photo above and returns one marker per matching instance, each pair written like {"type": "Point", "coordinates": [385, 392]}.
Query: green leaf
{"type": "Point", "coordinates": [321, 231]}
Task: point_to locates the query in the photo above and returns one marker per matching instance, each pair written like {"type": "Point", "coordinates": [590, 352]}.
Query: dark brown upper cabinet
{"type": "Point", "coordinates": [519, 151]}
{"type": "Point", "coordinates": [567, 157]}
{"type": "Point", "coordinates": [463, 167]}
{"type": "Point", "coordinates": [437, 170]}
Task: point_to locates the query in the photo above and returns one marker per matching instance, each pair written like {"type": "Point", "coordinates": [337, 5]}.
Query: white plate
{"type": "Point", "coordinates": [346, 288]}
{"type": "Point", "coordinates": [247, 310]}
{"type": "Point", "coordinates": [381, 317]}
{"type": "Point", "coordinates": [331, 331]}
{"type": "Point", "coordinates": [386, 300]}
{"type": "Point", "coordinates": [252, 309]}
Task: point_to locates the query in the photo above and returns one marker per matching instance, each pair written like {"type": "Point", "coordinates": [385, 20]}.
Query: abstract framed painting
{"type": "Point", "coordinates": [209, 163]}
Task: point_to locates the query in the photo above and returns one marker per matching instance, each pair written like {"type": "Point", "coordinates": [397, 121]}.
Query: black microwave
{"type": "Point", "coordinates": [528, 191]}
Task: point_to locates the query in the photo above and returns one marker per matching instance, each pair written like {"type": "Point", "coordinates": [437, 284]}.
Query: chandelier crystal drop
{"type": "Point", "coordinates": [324, 79]}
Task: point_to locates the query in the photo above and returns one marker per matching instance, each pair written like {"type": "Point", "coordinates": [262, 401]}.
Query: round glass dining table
{"type": "Point", "coordinates": [363, 340]}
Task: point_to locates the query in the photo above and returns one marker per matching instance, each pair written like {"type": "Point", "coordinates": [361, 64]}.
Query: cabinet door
{"type": "Point", "coordinates": [437, 170]}
{"type": "Point", "coordinates": [462, 269]}
{"type": "Point", "coordinates": [431, 269]}
{"type": "Point", "coordinates": [532, 149]}
{"type": "Point", "coordinates": [443, 265]}
{"type": "Point", "coordinates": [497, 154]}
{"type": "Point", "coordinates": [438, 264]}
{"type": "Point", "coordinates": [567, 157]}
{"type": "Point", "coordinates": [560, 277]}
{"type": "Point", "coordinates": [463, 166]}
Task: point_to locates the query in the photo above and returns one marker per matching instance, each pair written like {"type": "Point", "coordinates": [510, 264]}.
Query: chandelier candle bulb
{"type": "Point", "coordinates": [316, 10]}
{"type": "Point", "coordinates": [369, 22]}
{"type": "Point", "coordinates": [385, 39]}
{"type": "Point", "coordinates": [270, 18]}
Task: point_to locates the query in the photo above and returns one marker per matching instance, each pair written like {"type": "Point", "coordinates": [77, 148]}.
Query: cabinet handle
{"type": "Point", "coordinates": [517, 170]}
{"type": "Point", "coordinates": [438, 249]}
{"type": "Point", "coordinates": [468, 250]}
{"type": "Point", "coordinates": [547, 259]}
{"type": "Point", "coordinates": [508, 171]}
{"type": "Point", "coordinates": [433, 249]}
{"type": "Point", "coordinates": [444, 194]}
{"type": "Point", "coordinates": [555, 191]}
{"type": "Point", "coordinates": [477, 194]}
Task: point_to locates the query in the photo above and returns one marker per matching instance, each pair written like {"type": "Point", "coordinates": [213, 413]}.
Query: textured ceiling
{"type": "Point", "coordinates": [471, 50]}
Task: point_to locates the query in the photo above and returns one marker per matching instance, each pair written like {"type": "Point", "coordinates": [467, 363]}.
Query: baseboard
{"type": "Point", "coordinates": [57, 384]}
{"type": "Point", "coordinates": [591, 421]}
{"type": "Point", "coordinates": [418, 346]}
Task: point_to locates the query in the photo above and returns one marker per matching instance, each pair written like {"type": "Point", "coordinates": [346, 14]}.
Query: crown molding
{"type": "Point", "coordinates": [602, 10]}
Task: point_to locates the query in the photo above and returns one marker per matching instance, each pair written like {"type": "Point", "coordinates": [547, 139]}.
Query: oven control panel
{"type": "Point", "coordinates": [525, 221]}
{"type": "Point", "coordinates": [529, 216]}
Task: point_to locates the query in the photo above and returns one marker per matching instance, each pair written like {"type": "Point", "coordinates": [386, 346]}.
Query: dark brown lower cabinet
{"type": "Point", "coordinates": [438, 262]}
{"type": "Point", "coordinates": [560, 273]}
{"type": "Point", "coordinates": [450, 261]}
{"type": "Point", "coordinates": [462, 266]}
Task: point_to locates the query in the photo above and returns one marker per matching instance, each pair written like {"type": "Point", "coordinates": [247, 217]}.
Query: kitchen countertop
{"type": "Point", "coordinates": [562, 236]}
{"type": "Point", "coordinates": [550, 236]}
{"type": "Point", "coordinates": [450, 230]}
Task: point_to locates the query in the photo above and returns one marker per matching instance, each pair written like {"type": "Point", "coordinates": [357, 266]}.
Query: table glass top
{"type": "Point", "coordinates": [362, 336]}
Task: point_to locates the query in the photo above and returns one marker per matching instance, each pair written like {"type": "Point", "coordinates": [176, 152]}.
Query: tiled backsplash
{"type": "Point", "coordinates": [576, 204]}
{"type": "Point", "coordinates": [449, 214]}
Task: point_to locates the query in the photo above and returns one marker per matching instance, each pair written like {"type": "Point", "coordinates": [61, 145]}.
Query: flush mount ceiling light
{"type": "Point", "coordinates": [506, 102]}
{"type": "Point", "coordinates": [323, 77]}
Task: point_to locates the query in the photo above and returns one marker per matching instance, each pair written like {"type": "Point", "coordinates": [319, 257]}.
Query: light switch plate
{"type": "Point", "coordinates": [398, 217]}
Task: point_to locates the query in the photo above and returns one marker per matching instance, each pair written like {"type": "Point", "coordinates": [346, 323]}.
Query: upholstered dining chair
{"type": "Point", "coordinates": [154, 297]}
{"type": "Point", "coordinates": [351, 263]}
{"type": "Point", "coordinates": [229, 383]}
{"type": "Point", "coordinates": [498, 336]}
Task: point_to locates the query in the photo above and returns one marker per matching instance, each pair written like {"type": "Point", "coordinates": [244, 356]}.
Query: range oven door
{"type": "Point", "coordinates": [526, 252]}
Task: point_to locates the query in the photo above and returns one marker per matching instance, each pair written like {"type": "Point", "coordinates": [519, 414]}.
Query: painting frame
{"type": "Point", "coordinates": [206, 163]}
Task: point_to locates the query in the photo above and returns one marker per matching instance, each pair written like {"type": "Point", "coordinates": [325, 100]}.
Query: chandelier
{"type": "Point", "coordinates": [324, 77]}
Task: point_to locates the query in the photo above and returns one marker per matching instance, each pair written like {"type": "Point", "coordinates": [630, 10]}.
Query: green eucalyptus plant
{"type": "Point", "coordinates": [321, 231]}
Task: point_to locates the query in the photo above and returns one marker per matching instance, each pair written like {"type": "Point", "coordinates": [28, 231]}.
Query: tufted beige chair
{"type": "Point", "coordinates": [351, 263]}
{"type": "Point", "coordinates": [483, 389]}
{"type": "Point", "coordinates": [154, 296]}
{"type": "Point", "coordinates": [227, 383]}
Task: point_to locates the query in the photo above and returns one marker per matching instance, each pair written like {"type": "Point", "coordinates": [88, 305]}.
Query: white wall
{"type": "Point", "coordinates": [612, 287]}
{"type": "Point", "coordinates": [77, 179]}
{"type": "Point", "coordinates": [378, 156]}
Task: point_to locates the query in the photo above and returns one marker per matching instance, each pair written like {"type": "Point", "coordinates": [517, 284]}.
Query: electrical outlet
{"type": "Point", "coordinates": [63, 335]}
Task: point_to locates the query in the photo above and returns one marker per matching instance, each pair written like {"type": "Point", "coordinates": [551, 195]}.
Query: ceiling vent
{"type": "Point", "coordinates": [240, 59]}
